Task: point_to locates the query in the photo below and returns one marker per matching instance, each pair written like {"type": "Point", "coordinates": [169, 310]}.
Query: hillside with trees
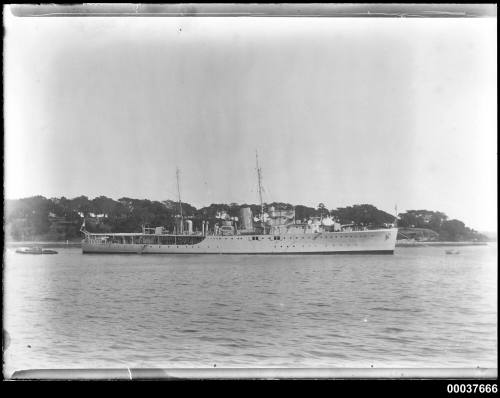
{"type": "Point", "coordinates": [414, 223]}
{"type": "Point", "coordinates": [59, 219]}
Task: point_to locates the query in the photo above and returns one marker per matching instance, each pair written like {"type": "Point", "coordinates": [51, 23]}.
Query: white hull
{"type": "Point", "coordinates": [382, 241]}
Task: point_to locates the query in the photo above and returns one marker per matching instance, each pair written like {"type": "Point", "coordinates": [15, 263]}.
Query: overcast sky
{"type": "Point", "coordinates": [342, 111]}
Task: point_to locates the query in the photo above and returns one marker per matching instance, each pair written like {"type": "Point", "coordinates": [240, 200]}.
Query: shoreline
{"type": "Point", "coordinates": [421, 244]}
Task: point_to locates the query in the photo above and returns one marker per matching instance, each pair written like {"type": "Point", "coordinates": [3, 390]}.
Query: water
{"type": "Point", "coordinates": [417, 308]}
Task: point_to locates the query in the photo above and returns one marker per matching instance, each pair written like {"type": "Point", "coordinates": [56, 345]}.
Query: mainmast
{"type": "Point", "coordinates": [259, 177]}
{"type": "Point", "coordinates": [180, 203]}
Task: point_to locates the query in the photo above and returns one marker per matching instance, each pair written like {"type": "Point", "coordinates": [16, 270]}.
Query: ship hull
{"type": "Point", "coordinates": [381, 241]}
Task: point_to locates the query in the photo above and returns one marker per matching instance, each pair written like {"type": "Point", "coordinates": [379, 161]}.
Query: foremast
{"type": "Point", "coordinates": [180, 203]}
{"type": "Point", "coordinates": [259, 178]}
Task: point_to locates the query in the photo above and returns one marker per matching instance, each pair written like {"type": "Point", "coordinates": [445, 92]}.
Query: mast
{"type": "Point", "coordinates": [259, 177]}
{"type": "Point", "coordinates": [180, 203]}
{"type": "Point", "coordinates": [396, 216]}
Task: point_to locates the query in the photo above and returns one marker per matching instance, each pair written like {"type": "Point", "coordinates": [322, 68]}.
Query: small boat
{"type": "Point", "coordinates": [35, 250]}
{"type": "Point", "coordinates": [452, 252]}
{"type": "Point", "coordinates": [48, 251]}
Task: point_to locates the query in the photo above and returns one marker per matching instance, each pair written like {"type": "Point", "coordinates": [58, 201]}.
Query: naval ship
{"type": "Point", "coordinates": [273, 232]}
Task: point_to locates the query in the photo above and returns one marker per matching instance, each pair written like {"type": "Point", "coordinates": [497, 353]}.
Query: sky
{"type": "Point", "coordinates": [343, 111]}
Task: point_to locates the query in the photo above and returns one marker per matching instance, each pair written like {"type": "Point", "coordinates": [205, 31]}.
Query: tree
{"type": "Point", "coordinates": [304, 212]}
{"type": "Point", "coordinates": [453, 230]}
{"type": "Point", "coordinates": [321, 209]}
{"type": "Point", "coordinates": [82, 204]}
{"type": "Point", "coordinates": [234, 209]}
{"type": "Point", "coordinates": [104, 205]}
{"type": "Point", "coordinates": [365, 214]}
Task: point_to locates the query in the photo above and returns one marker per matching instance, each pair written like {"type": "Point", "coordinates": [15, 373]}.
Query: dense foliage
{"type": "Point", "coordinates": [366, 215]}
{"type": "Point", "coordinates": [55, 219]}
{"type": "Point", "coordinates": [447, 230]}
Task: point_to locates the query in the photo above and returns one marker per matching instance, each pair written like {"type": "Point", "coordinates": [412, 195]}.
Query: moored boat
{"type": "Point", "coordinates": [35, 250]}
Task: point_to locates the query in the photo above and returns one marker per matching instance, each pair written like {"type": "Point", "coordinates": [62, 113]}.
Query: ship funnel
{"type": "Point", "coordinates": [189, 226]}
{"type": "Point", "coordinates": [246, 218]}
{"type": "Point", "coordinates": [178, 226]}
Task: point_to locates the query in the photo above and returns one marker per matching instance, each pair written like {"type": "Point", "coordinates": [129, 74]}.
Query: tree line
{"type": "Point", "coordinates": [56, 219]}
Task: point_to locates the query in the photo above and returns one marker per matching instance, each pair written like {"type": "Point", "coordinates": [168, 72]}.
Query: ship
{"type": "Point", "coordinates": [275, 231]}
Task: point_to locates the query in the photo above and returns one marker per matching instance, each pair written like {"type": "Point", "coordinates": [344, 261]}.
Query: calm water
{"type": "Point", "coordinates": [417, 308]}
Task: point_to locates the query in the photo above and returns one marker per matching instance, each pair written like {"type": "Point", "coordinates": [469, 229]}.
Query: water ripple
{"type": "Point", "coordinates": [416, 308]}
